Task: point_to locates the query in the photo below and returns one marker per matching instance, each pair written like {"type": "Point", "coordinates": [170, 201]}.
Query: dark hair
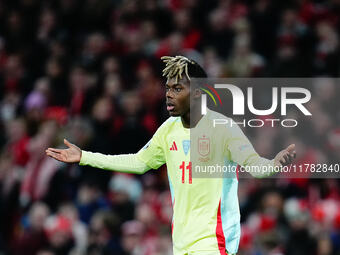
{"type": "Point", "coordinates": [176, 67]}
{"type": "Point", "coordinates": [195, 70]}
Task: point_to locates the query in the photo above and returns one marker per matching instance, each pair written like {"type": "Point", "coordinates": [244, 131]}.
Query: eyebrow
{"type": "Point", "coordinates": [174, 85]}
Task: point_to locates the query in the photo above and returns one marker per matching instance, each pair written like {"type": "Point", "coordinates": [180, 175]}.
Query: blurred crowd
{"type": "Point", "coordinates": [90, 71]}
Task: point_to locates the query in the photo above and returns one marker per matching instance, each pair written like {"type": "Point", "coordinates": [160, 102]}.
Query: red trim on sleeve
{"type": "Point", "coordinates": [219, 232]}
{"type": "Point", "coordinates": [172, 223]}
{"type": "Point", "coordinates": [237, 171]}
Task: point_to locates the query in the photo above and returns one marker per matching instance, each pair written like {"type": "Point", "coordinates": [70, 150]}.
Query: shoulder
{"type": "Point", "coordinates": [222, 122]}
{"type": "Point", "coordinates": [211, 115]}
{"type": "Point", "coordinates": [216, 117]}
{"type": "Point", "coordinates": [168, 125]}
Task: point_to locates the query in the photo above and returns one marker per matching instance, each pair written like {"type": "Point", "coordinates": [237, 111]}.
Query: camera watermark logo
{"type": "Point", "coordinates": [239, 100]}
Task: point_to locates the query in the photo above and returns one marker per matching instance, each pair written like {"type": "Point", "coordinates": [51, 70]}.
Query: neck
{"type": "Point", "coordinates": [191, 118]}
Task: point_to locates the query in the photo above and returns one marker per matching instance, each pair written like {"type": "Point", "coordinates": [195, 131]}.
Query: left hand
{"type": "Point", "coordinates": [286, 156]}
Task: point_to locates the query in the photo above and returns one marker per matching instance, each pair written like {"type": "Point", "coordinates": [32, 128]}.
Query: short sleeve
{"type": "Point", "coordinates": [152, 154]}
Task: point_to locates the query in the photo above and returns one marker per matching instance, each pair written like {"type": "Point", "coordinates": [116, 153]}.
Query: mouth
{"type": "Point", "coordinates": [170, 107]}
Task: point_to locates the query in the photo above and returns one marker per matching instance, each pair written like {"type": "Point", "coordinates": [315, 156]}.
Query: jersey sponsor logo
{"type": "Point", "coordinates": [186, 146]}
{"type": "Point", "coordinates": [174, 146]}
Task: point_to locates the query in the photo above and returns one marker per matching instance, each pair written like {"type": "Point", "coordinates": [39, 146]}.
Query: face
{"type": "Point", "coordinates": [178, 96]}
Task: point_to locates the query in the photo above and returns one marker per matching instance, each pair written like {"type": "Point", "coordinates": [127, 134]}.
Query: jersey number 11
{"type": "Point", "coordinates": [183, 168]}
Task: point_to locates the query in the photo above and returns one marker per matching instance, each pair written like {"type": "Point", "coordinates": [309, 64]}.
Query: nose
{"type": "Point", "coordinates": [169, 94]}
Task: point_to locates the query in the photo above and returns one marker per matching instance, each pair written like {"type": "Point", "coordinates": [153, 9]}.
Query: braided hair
{"type": "Point", "coordinates": [179, 66]}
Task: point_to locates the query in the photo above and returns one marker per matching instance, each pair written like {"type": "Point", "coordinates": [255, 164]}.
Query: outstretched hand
{"type": "Point", "coordinates": [286, 156]}
{"type": "Point", "coordinates": [70, 155]}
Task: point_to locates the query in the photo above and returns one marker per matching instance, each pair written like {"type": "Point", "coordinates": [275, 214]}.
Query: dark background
{"type": "Point", "coordinates": [90, 71]}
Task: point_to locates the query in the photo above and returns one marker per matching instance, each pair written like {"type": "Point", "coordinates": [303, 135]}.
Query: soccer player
{"type": "Point", "coordinates": [206, 218]}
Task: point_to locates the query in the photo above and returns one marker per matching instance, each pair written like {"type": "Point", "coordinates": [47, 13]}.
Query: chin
{"type": "Point", "coordinates": [174, 114]}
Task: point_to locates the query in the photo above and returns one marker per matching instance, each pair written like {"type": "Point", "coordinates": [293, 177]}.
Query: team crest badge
{"type": "Point", "coordinates": [204, 146]}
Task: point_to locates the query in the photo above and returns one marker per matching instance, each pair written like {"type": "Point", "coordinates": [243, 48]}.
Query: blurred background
{"type": "Point", "coordinates": [90, 71]}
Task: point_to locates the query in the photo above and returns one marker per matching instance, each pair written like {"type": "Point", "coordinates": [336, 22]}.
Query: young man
{"type": "Point", "coordinates": [206, 219]}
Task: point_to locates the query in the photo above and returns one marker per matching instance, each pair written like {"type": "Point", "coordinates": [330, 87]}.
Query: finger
{"type": "Point", "coordinates": [290, 148]}
{"type": "Point", "coordinates": [67, 143]}
{"type": "Point", "coordinates": [290, 158]}
{"type": "Point", "coordinates": [55, 155]}
{"type": "Point", "coordinates": [286, 160]}
{"type": "Point", "coordinates": [54, 150]}
{"type": "Point", "coordinates": [294, 154]}
{"type": "Point", "coordinates": [286, 157]}
{"type": "Point", "coordinates": [282, 160]}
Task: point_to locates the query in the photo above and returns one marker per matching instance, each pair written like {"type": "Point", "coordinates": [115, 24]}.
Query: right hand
{"type": "Point", "coordinates": [70, 155]}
